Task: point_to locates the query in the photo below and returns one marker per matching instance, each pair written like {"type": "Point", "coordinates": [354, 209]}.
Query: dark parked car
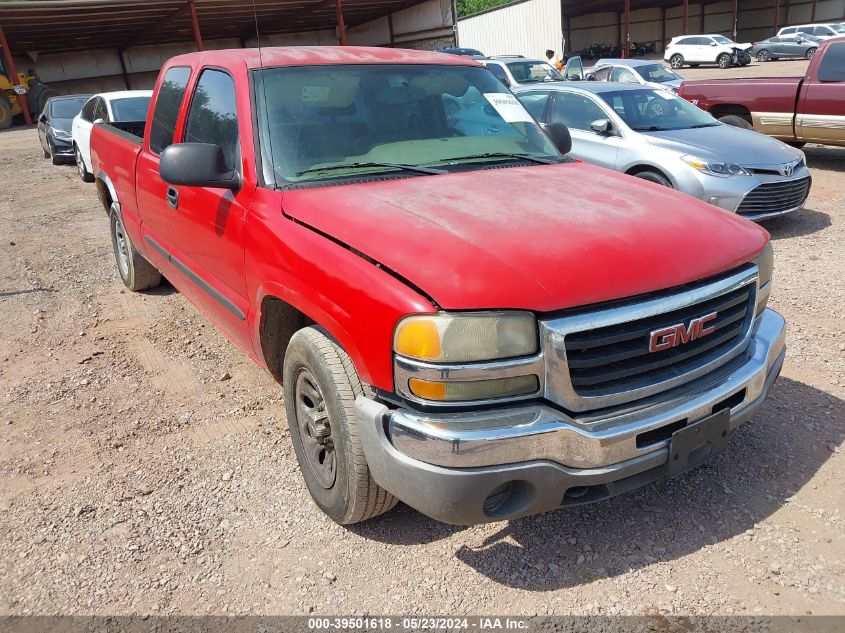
{"type": "Point", "coordinates": [466, 52]}
{"type": "Point", "coordinates": [801, 46]}
{"type": "Point", "coordinates": [54, 124]}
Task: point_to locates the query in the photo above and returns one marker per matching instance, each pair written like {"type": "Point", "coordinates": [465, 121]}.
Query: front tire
{"type": "Point", "coordinates": [81, 169]}
{"type": "Point", "coordinates": [135, 272]}
{"type": "Point", "coordinates": [764, 56]}
{"type": "Point", "coordinates": [320, 385]}
{"type": "Point", "coordinates": [655, 177]}
{"type": "Point", "coordinates": [736, 121]}
{"type": "Point", "coordinates": [724, 61]}
{"type": "Point", "coordinates": [676, 61]}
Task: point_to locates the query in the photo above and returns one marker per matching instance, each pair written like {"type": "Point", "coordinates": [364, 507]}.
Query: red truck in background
{"type": "Point", "coordinates": [461, 317]}
{"type": "Point", "coordinates": [798, 110]}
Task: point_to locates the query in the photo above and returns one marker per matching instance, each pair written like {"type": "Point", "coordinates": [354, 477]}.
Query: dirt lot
{"type": "Point", "coordinates": [145, 465]}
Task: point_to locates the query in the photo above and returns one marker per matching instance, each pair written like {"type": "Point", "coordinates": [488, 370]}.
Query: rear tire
{"type": "Point", "coordinates": [736, 121]}
{"type": "Point", "coordinates": [5, 113]}
{"type": "Point", "coordinates": [676, 61]}
{"type": "Point", "coordinates": [655, 177]}
{"type": "Point", "coordinates": [764, 56]}
{"type": "Point", "coordinates": [135, 272]}
{"type": "Point", "coordinates": [81, 169]}
{"type": "Point", "coordinates": [724, 61]}
{"type": "Point", "coordinates": [810, 52]}
{"type": "Point", "coordinates": [320, 385]}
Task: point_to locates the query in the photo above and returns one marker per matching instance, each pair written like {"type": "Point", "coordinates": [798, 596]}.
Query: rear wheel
{"type": "Point", "coordinates": [736, 121]}
{"type": "Point", "coordinates": [80, 166]}
{"type": "Point", "coordinates": [321, 384]}
{"type": "Point", "coordinates": [676, 61]}
{"type": "Point", "coordinates": [724, 60]}
{"type": "Point", "coordinates": [810, 52]}
{"type": "Point", "coordinates": [655, 177]}
{"type": "Point", "coordinates": [764, 56]}
{"type": "Point", "coordinates": [5, 113]}
{"type": "Point", "coordinates": [136, 273]}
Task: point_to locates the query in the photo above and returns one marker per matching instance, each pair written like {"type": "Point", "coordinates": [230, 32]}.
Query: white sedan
{"type": "Point", "coordinates": [127, 106]}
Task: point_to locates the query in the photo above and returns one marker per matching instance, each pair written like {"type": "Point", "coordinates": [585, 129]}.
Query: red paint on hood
{"type": "Point", "coordinates": [539, 238]}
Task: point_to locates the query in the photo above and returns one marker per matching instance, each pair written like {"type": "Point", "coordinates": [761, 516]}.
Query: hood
{"type": "Point", "coordinates": [742, 47]}
{"type": "Point", "coordinates": [539, 238]}
{"type": "Point", "coordinates": [61, 124]}
{"type": "Point", "coordinates": [725, 143]}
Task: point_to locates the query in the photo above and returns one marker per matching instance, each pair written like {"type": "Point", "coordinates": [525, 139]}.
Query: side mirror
{"type": "Point", "coordinates": [559, 135]}
{"type": "Point", "coordinates": [713, 44]}
{"type": "Point", "coordinates": [99, 120]}
{"type": "Point", "coordinates": [197, 165]}
{"type": "Point", "coordinates": [42, 118]}
{"type": "Point", "coordinates": [603, 127]}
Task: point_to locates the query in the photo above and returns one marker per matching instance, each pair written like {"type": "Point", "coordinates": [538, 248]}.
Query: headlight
{"type": "Point", "coordinates": [467, 337]}
{"type": "Point", "coordinates": [714, 168]}
{"type": "Point", "coordinates": [766, 266]}
{"type": "Point", "coordinates": [65, 136]}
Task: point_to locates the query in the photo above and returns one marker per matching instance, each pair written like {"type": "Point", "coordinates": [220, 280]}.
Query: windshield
{"type": "Point", "coordinates": [723, 40]}
{"type": "Point", "coordinates": [130, 109]}
{"type": "Point", "coordinates": [657, 73]}
{"type": "Point", "coordinates": [532, 72]}
{"type": "Point", "coordinates": [66, 108]}
{"type": "Point", "coordinates": [329, 122]}
{"type": "Point", "coordinates": [656, 110]}
{"type": "Point", "coordinates": [839, 28]}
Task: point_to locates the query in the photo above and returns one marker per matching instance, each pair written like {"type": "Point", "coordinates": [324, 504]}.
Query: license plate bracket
{"type": "Point", "coordinates": [698, 442]}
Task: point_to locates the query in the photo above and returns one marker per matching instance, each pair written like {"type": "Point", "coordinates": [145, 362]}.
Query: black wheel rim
{"type": "Point", "coordinates": [315, 431]}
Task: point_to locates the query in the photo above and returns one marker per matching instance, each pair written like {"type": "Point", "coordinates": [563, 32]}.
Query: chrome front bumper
{"type": "Point", "coordinates": [467, 455]}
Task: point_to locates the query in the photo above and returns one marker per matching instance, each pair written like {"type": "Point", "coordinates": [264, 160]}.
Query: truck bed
{"type": "Point", "coordinates": [118, 146]}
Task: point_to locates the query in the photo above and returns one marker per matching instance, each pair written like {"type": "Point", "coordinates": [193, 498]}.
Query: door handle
{"type": "Point", "coordinates": [172, 197]}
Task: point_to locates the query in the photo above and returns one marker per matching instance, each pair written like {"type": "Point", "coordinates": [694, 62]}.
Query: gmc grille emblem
{"type": "Point", "coordinates": [681, 333]}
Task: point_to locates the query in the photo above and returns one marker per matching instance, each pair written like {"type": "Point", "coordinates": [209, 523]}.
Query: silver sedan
{"type": "Point", "coordinates": [657, 136]}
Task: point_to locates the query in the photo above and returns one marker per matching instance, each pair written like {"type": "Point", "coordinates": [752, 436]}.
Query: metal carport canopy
{"type": "Point", "coordinates": [56, 26]}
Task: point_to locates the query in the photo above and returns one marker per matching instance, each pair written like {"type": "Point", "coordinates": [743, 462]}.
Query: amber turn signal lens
{"type": "Point", "coordinates": [418, 338]}
{"type": "Point", "coordinates": [474, 390]}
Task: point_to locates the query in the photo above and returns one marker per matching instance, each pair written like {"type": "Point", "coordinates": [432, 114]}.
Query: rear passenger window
{"type": "Point", "coordinates": [791, 29]}
{"type": "Point", "coordinates": [213, 117]}
{"type": "Point", "coordinates": [167, 108]}
{"type": "Point", "coordinates": [87, 113]}
{"type": "Point", "coordinates": [833, 64]}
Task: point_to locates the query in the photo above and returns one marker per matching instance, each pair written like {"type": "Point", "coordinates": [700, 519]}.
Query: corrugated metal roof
{"type": "Point", "coordinates": [72, 25]}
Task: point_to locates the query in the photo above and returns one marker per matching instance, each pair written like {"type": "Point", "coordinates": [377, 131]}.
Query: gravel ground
{"type": "Point", "coordinates": [145, 465]}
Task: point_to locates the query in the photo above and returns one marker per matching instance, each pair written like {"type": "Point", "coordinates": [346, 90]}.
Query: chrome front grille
{"type": "Point", "coordinates": [602, 358]}
{"type": "Point", "coordinates": [775, 197]}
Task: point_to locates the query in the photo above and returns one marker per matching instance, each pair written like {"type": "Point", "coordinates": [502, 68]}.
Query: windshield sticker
{"type": "Point", "coordinates": [315, 94]}
{"type": "Point", "coordinates": [508, 107]}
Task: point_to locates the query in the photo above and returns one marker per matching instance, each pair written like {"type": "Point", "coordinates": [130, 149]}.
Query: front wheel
{"type": "Point", "coordinates": [5, 113]}
{"type": "Point", "coordinates": [676, 62]}
{"type": "Point", "coordinates": [320, 384]}
{"type": "Point", "coordinates": [136, 273]}
{"type": "Point", "coordinates": [764, 56]}
{"type": "Point", "coordinates": [724, 60]}
{"type": "Point", "coordinates": [86, 175]}
{"type": "Point", "coordinates": [655, 177]}
{"type": "Point", "coordinates": [736, 121]}
{"type": "Point", "coordinates": [810, 52]}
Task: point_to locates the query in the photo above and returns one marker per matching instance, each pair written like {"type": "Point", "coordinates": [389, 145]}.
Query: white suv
{"type": "Point", "coordinates": [821, 31]}
{"type": "Point", "coordinates": [694, 50]}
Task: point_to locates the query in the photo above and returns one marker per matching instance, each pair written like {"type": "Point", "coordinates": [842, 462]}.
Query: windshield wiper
{"type": "Point", "coordinates": [699, 125]}
{"type": "Point", "coordinates": [503, 155]}
{"type": "Point", "coordinates": [397, 166]}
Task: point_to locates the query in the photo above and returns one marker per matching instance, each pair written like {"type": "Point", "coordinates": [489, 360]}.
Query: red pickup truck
{"type": "Point", "coordinates": [798, 110]}
{"type": "Point", "coordinates": [460, 316]}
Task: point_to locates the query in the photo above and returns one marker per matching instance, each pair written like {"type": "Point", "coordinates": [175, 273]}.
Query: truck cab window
{"type": "Point", "coordinates": [833, 64]}
{"type": "Point", "coordinates": [167, 108]}
{"type": "Point", "coordinates": [213, 117]}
